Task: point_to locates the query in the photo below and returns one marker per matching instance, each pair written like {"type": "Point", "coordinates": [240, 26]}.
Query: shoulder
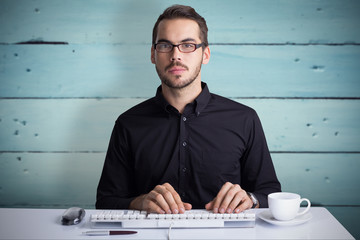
{"type": "Point", "coordinates": [228, 104]}
{"type": "Point", "coordinates": [147, 108]}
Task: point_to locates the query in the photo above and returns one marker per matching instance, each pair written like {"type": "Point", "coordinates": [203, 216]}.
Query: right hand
{"type": "Point", "coordinates": [162, 199]}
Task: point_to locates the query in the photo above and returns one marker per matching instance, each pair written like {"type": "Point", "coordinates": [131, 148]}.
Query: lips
{"type": "Point", "coordinates": [177, 70]}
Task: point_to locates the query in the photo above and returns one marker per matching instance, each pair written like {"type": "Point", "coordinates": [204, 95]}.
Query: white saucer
{"type": "Point", "coordinates": [268, 217]}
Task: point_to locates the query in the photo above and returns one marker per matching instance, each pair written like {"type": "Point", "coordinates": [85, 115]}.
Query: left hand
{"type": "Point", "coordinates": [231, 198]}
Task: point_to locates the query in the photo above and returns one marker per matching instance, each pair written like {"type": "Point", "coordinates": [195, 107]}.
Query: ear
{"type": "Point", "coordinates": [206, 55]}
{"type": "Point", "coordinates": [152, 54]}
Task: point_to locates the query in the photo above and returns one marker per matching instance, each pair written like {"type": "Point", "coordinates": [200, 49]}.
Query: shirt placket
{"type": "Point", "coordinates": [184, 149]}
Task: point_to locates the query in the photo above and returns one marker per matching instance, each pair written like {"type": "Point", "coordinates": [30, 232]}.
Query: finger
{"type": "Point", "coordinates": [219, 197]}
{"type": "Point", "coordinates": [187, 206]}
{"type": "Point", "coordinates": [178, 205]}
{"type": "Point", "coordinates": [225, 204]}
{"type": "Point", "coordinates": [239, 198]}
{"type": "Point", "coordinates": [159, 199]}
{"type": "Point", "coordinates": [172, 199]}
{"type": "Point", "coordinates": [151, 207]}
{"type": "Point", "coordinates": [246, 203]}
{"type": "Point", "coordinates": [209, 205]}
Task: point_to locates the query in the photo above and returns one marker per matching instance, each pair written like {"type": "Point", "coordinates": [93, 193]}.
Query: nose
{"type": "Point", "coordinates": [175, 54]}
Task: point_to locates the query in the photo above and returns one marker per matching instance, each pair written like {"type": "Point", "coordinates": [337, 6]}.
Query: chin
{"type": "Point", "coordinates": [177, 84]}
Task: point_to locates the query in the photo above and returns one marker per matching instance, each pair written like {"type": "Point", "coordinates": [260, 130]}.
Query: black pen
{"type": "Point", "coordinates": [106, 233]}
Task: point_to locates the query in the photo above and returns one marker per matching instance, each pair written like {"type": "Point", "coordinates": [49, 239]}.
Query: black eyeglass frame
{"type": "Point", "coordinates": [178, 46]}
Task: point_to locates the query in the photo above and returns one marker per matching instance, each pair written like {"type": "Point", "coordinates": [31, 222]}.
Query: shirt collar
{"type": "Point", "coordinates": [159, 98]}
{"type": "Point", "coordinates": [201, 101]}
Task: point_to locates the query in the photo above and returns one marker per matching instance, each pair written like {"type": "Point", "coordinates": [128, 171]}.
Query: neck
{"type": "Point", "coordinates": [179, 98]}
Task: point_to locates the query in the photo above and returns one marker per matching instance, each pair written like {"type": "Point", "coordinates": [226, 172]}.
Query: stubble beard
{"type": "Point", "coordinates": [181, 84]}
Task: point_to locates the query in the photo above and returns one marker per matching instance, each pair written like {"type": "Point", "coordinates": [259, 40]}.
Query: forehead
{"type": "Point", "coordinates": [176, 30]}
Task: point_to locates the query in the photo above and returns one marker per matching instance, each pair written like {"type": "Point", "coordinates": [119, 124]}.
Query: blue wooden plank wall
{"type": "Point", "coordinates": [68, 68]}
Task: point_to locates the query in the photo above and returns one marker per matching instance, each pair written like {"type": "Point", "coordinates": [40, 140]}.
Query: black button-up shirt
{"type": "Point", "coordinates": [215, 140]}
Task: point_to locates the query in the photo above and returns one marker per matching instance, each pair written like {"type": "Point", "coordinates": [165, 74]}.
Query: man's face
{"type": "Point", "coordinates": [177, 69]}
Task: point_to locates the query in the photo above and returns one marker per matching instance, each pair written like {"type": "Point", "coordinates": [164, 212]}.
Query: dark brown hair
{"type": "Point", "coordinates": [181, 11]}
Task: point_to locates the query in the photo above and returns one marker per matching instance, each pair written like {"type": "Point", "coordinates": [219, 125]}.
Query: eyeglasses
{"type": "Point", "coordinates": [183, 47]}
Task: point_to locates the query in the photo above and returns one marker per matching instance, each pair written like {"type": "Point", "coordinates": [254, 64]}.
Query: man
{"type": "Point", "coordinates": [186, 148]}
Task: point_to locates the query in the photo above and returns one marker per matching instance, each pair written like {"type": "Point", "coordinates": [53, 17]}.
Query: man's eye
{"type": "Point", "coordinates": [164, 46]}
{"type": "Point", "coordinates": [187, 45]}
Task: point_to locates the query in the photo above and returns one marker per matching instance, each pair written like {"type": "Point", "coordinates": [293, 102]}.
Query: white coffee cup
{"type": "Point", "coordinates": [285, 206]}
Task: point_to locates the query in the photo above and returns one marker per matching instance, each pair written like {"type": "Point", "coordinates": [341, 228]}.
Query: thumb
{"type": "Point", "coordinates": [209, 205]}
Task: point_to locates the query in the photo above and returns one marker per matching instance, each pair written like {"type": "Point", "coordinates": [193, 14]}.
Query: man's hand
{"type": "Point", "coordinates": [231, 198]}
{"type": "Point", "coordinates": [162, 199]}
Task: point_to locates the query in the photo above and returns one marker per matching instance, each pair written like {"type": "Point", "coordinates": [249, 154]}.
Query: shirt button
{"type": "Point", "coordinates": [183, 194]}
{"type": "Point", "coordinates": [184, 119]}
{"type": "Point", "coordinates": [184, 169]}
{"type": "Point", "coordinates": [184, 144]}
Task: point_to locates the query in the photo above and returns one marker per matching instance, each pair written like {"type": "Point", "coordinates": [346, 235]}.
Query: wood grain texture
{"type": "Point", "coordinates": [319, 176]}
{"type": "Point", "coordinates": [348, 217]}
{"type": "Point", "coordinates": [49, 179]}
{"type": "Point", "coordinates": [63, 179]}
{"type": "Point", "coordinates": [246, 21]}
{"type": "Point", "coordinates": [86, 124]}
{"type": "Point", "coordinates": [295, 62]}
{"type": "Point", "coordinates": [108, 71]}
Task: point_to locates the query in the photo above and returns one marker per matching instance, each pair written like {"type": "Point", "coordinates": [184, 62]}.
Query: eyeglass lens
{"type": "Point", "coordinates": [167, 47]}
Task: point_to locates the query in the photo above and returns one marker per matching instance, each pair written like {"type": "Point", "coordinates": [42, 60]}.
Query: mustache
{"type": "Point", "coordinates": [177, 64]}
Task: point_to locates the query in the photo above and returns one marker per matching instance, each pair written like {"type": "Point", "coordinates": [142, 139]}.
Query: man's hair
{"type": "Point", "coordinates": [181, 11]}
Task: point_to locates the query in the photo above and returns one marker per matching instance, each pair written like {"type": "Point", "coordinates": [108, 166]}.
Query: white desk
{"type": "Point", "coordinates": [45, 224]}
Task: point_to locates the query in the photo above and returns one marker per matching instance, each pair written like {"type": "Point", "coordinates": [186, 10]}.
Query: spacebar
{"type": "Point", "coordinates": [190, 223]}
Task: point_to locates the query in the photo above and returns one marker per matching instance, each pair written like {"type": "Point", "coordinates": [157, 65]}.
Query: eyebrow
{"type": "Point", "coordinates": [182, 41]}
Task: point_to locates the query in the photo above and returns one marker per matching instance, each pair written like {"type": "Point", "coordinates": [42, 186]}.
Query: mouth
{"type": "Point", "coordinates": [177, 70]}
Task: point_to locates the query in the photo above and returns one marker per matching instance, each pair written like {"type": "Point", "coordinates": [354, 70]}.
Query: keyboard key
{"type": "Point", "coordinates": [189, 219]}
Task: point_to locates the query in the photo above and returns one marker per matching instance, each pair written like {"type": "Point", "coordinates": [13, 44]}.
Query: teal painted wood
{"type": "Point", "coordinates": [231, 21]}
{"type": "Point", "coordinates": [284, 71]}
{"type": "Point", "coordinates": [77, 71]}
{"type": "Point", "coordinates": [349, 218]}
{"type": "Point", "coordinates": [86, 124]}
{"type": "Point", "coordinates": [102, 71]}
{"type": "Point", "coordinates": [274, 49]}
{"type": "Point", "coordinates": [49, 180]}
{"type": "Point", "coordinates": [59, 125]}
{"type": "Point", "coordinates": [309, 125]}
{"type": "Point", "coordinates": [65, 179]}
{"type": "Point", "coordinates": [319, 176]}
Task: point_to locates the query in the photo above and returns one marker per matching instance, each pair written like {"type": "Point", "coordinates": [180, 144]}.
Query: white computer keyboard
{"type": "Point", "coordinates": [189, 219]}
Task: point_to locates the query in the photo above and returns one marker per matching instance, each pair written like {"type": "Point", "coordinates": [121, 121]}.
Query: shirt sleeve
{"type": "Point", "coordinates": [116, 184]}
{"type": "Point", "coordinates": [258, 172]}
